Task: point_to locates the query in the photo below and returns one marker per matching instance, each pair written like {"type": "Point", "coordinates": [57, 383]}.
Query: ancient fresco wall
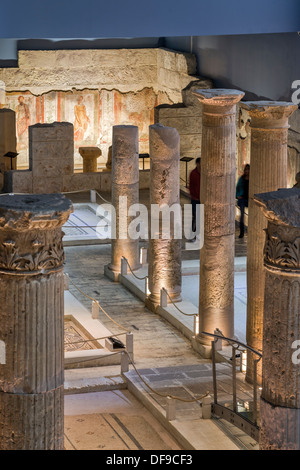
{"type": "Point", "coordinates": [92, 112]}
{"type": "Point", "coordinates": [94, 90]}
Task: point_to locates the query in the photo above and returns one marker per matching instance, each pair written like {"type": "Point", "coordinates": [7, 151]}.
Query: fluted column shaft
{"type": "Point", "coordinates": [164, 251]}
{"type": "Point", "coordinates": [32, 322]}
{"type": "Point", "coordinates": [280, 399]}
{"type": "Point", "coordinates": [125, 185]}
{"type": "Point", "coordinates": [217, 193]}
{"type": "Point", "coordinates": [268, 172]}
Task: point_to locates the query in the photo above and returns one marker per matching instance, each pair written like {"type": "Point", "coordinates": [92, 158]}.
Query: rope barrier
{"type": "Point", "coordinates": [137, 277]}
{"type": "Point", "coordinates": [183, 313]}
{"type": "Point", "coordinates": [163, 394]}
{"type": "Point", "coordinates": [102, 310]}
{"type": "Point", "coordinates": [126, 352]}
{"type": "Point", "coordinates": [94, 339]}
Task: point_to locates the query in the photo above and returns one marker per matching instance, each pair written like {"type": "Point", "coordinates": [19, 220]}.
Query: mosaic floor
{"type": "Point", "coordinates": [75, 339]}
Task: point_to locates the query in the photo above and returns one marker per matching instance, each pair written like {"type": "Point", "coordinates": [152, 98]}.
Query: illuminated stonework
{"type": "Point", "coordinates": [164, 253]}
{"type": "Point", "coordinates": [125, 182]}
{"type": "Point", "coordinates": [268, 172]}
{"type": "Point", "coordinates": [217, 193]}
{"type": "Point", "coordinates": [280, 403]}
{"type": "Point", "coordinates": [32, 321]}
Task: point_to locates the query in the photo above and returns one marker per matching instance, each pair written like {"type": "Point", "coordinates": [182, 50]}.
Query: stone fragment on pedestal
{"type": "Point", "coordinates": [268, 172]}
{"type": "Point", "coordinates": [280, 397]}
{"type": "Point", "coordinates": [51, 155]}
{"type": "Point", "coordinates": [32, 321]}
{"type": "Point", "coordinates": [164, 248]}
{"type": "Point", "coordinates": [125, 193]}
{"type": "Point", "coordinates": [90, 155]}
{"type": "Point", "coordinates": [217, 193]}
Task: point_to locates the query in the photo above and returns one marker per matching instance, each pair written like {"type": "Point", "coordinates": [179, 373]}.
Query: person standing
{"type": "Point", "coordinates": [242, 196]}
{"type": "Point", "coordinates": [194, 188]}
{"type": "Point", "coordinates": [297, 184]}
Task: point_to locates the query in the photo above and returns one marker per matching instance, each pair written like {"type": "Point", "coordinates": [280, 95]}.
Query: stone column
{"type": "Point", "coordinates": [164, 265]}
{"type": "Point", "coordinates": [217, 193]}
{"type": "Point", "coordinates": [8, 139]}
{"type": "Point", "coordinates": [268, 172]}
{"type": "Point", "coordinates": [125, 193]}
{"type": "Point", "coordinates": [32, 321]}
{"type": "Point", "coordinates": [90, 155]}
{"type": "Point", "coordinates": [280, 398]}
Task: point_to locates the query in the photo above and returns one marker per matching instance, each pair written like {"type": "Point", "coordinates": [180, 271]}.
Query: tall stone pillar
{"type": "Point", "coordinates": [280, 397]}
{"type": "Point", "coordinates": [217, 193]}
{"type": "Point", "coordinates": [268, 172]}
{"type": "Point", "coordinates": [164, 265]}
{"type": "Point", "coordinates": [32, 321]}
{"type": "Point", "coordinates": [8, 139]}
{"type": "Point", "coordinates": [125, 193]}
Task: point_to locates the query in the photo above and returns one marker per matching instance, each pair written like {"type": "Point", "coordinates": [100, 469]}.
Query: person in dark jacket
{"type": "Point", "coordinates": [194, 188]}
{"type": "Point", "coordinates": [242, 195]}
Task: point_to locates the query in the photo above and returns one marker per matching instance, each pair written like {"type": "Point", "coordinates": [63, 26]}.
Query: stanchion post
{"type": "Point", "coordinates": [95, 310]}
{"type": "Point", "coordinates": [123, 267]}
{"type": "Point", "coordinates": [124, 363]}
{"type": "Point", "coordinates": [163, 298]}
{"type": "Point", "coordinates": [143, 255]}
{"type": "Point", "coordinates": [218, 341]}
{"type": "Point", "coordinates": [129, 344]}
{"type": "Point", "coordinates": [171, 409]}
{"type": "Point", "coordinates": [206, 407]}
{"type": "Point", "coordinates": [92, 195]}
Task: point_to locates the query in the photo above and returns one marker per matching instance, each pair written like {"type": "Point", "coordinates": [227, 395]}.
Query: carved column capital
{"type": "Point", "coordinates": [269, 114]}
{"type": "Point", "coordinates": [218, 100]}
{"type": "Point", "coordinates": [30, 233]}
{"type": "Point", "coordinates": [282, 246]}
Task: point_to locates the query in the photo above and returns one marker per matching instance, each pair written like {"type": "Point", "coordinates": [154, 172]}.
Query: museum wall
{"type": "Point", "coordinates": [264, 66]}
{"type": "Point", "coordinates": [94, 90]}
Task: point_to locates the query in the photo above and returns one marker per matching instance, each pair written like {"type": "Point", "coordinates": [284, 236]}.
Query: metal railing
{"type": "Point", "coordinates": [239, 403]}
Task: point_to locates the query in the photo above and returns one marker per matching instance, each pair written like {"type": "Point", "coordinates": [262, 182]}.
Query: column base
{"type": "Point", "coordinates": [203, 349]}
{"type": "Point", "coordinates": [279, 427]}
{"type": "Point", "coordinates": [111, 274]}
{"type": "Point", "coordinates": [155, 298]}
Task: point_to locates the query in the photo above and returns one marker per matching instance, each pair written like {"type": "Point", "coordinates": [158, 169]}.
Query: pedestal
{"type": "Point", "coordinates": [90, 155]}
